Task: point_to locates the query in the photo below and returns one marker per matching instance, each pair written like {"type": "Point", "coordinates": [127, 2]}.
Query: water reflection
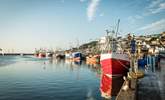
{"type": "Point", "coordinates": [7, 60]}
{"type": "Point", "coordinates": [78, 62]}
{"type": "Point", "coordinates": [59, 75]}
{"type": "Point", "coordinates": [32, 78]}
{"type": "Point", "coordinates": [110, 86]}
{"type": "Point", "coordinates": [76, 66]}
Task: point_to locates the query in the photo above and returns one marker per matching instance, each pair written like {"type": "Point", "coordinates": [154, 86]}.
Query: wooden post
{"type": "Point", "coordinates": [133, 52]}
{"type": "Point", "coordinates": [133, 62]}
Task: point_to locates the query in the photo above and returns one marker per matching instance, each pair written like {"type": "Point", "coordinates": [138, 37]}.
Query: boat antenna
{"type": "Point", "coordinates": [117, 27]}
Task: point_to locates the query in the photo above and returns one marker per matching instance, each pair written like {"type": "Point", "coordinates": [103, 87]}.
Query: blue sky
{"type": "Point", "coordinates": [29, 24]}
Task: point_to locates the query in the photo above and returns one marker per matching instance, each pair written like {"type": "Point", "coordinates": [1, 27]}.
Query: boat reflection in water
{"type": "Point", "coordinates": [73, 62]}
{"type": "Point", "coordinates": [110, 86]}
{"type": "Point", "coordinates": [78, 62]}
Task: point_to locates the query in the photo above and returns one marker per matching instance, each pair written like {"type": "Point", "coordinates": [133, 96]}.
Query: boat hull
{"type": "Point", "coordinates": [115, 64]}
{"type": "Point", "coordinates": [40, 55]}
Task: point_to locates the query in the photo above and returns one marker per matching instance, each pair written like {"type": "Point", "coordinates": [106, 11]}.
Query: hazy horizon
{"type": "Point", "coordinates": [29, 24]}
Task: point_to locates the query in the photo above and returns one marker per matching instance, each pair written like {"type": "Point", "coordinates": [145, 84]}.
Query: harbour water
{"type": "Point", "coordinates": [30, 78]}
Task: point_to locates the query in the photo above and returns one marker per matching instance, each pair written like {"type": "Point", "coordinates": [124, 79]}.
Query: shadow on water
{"type": "Point", "coordinates": [110, 87]}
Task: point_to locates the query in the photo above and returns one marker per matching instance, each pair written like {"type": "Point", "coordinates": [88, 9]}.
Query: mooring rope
{"type": "Point", "coordinates": [123, 65]}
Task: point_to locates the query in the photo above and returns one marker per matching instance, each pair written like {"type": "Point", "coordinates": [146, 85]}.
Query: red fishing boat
{"type": "Point", "coordinates": [40, 53]}
{"type": "Point", "coordinates": [114, 63]}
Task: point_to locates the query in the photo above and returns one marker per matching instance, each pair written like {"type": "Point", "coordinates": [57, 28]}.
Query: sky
{"type": "Point", "coordinates": [29, 24]}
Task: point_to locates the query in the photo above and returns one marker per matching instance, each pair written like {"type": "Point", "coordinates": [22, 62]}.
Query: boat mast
{"type": "Point", "coordinates": [107, 47]}
{"type": "Point", "coordinates": [117, 27]}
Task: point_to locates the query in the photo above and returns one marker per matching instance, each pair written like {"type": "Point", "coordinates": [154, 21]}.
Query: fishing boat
{"type": "Point", "coordinates": [114, 62]}
{"type": "Point", "coordinates": [41, 53]}
{"type": "Point", "coordinates": [68, 55]}
{"type": "Point", "coordinates": [93, 59]}
{"type": "Point", "coordinates": [73, 56]}
{"type": "Point", "coordinates": [77, 56]}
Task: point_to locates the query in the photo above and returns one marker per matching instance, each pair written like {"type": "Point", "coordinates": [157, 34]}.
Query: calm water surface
{"type": "Point", "coordinates": [30, 78]}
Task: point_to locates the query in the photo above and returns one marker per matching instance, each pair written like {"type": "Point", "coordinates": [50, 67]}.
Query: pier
{"type": "Point", "coordinates": [130, 94]}
{"type": "Point", "coordinates": [151, 87]}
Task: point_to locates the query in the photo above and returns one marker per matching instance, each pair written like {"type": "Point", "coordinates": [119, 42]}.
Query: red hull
{"type": "Point", "coordinates": [113, 66]}
{"type": "Point", "coordinates": [40, 55]}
